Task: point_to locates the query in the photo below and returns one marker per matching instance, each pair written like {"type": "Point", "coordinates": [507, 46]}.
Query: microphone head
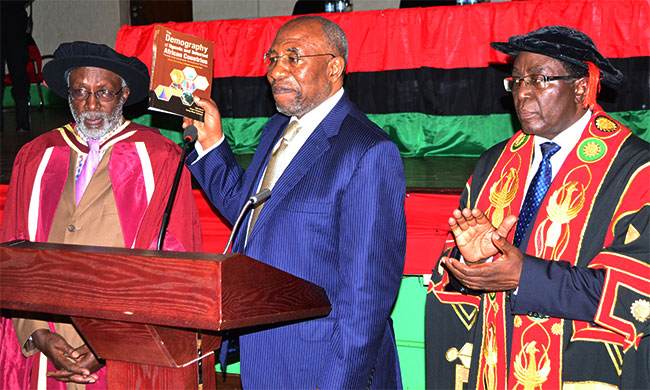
{"type": "Point", "coordinates": [190, 134]}
{"type": "Point", "coordinates": [260, 196]}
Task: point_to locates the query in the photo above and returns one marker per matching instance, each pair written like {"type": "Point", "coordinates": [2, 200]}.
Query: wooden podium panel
{"type": "Point", "coordinates": [143, 343]}
{"type": "Point", "coordinates": [140, 309]}
{"type": "Point", "coordinates": [139, 376]}
{"type": "Point", "coordinates": [177, 289]}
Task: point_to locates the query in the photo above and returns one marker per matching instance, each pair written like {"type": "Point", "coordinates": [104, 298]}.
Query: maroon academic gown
{"type": "Point", "coordinates": [142, 166]}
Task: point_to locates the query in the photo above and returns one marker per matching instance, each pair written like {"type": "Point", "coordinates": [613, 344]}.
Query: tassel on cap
{"type": "Point", "coordinates": [593, 86]}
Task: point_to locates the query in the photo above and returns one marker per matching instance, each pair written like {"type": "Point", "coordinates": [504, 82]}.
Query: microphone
{"type": "Point", "coordinates": [250, 203]}
{"type": "Point", "coordinates": [189, 136]}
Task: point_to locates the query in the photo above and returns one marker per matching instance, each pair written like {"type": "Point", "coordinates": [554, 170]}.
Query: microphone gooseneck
{"type": "Point", "coordinates": [189, 136]}
{"type": "Point", "coordinates": [250, 203]}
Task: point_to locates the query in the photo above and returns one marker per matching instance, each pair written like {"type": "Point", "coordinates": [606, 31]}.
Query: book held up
{"type": "Point", "coordinates": [181, 69]}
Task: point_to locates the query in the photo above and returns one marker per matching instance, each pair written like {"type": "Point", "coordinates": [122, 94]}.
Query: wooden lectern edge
{"type": "Point", "coordinates": [201, 321]}
{"type": "Point", "coordinates": [109, 315]}
{"type": "Point", "coordinates": [217, 325]}
{"type": "Point", "coordinates": [305, 315]}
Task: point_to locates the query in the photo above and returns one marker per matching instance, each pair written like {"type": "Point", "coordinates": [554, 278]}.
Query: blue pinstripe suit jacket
{"type": "Point", "coordinates": [336, 218]}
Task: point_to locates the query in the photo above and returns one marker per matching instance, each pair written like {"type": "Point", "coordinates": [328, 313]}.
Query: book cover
{"type": "Point", "coordinates": [181, 68]}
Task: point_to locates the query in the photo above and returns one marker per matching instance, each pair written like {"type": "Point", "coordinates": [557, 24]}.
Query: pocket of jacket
{"type": "Point", "coordinates": [316, 330]}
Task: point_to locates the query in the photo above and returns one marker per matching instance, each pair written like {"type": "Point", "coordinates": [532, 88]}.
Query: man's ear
{"type": "Point", "coordinates": [335, 68]}
{"type": "Point", "coordinates": [125, 93]}
{"type": "Point", "coordinates": [580, 89]}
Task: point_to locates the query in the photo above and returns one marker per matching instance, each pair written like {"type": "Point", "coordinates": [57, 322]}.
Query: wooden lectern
{"type": "Point", "coordinates": [140, 309]}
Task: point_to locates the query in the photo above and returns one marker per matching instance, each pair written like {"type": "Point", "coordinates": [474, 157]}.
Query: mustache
{"type": "Point", "coordinates": [110, 120]}
{"type": "Point", "coordinates": [277, 86]}
{"type": "Point", "coordinates": [94, 115]}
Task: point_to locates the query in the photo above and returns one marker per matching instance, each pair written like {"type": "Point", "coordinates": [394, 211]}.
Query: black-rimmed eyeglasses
{"type": "Point", "coordinates": [535, 81]}
{"type": "Point", "coordinates": [103, 95]}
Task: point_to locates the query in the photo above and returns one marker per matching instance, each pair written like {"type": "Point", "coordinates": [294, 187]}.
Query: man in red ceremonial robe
{"type": "Point", "coordinates": [100, 180]}
{"type": "Point", "coordinates": [546, 280]}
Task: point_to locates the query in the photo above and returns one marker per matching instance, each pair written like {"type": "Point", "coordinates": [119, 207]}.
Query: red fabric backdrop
{"type": "Point", "coordinates": [437, 37]}
{"type": "Point", "coordinates": [425, 232]}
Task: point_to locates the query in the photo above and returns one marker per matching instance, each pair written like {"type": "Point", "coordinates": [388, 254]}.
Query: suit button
{"type": "Point", "coordinates": [71, 228]}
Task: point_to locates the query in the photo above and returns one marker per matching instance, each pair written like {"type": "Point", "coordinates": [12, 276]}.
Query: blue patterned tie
{"type": "Point", "coordinates": [536, 191]}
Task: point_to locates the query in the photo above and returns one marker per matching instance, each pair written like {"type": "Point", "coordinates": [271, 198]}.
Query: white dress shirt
{"type": "Point", "coordinates": [567, 140]}
{"type": "Point", "coordinates": [308, 124]}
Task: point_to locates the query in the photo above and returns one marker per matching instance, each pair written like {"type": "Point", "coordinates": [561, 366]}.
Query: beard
{"type": "Point", "coordinates": [301, 104]}
{"type": "Point", "coordinates": [110, 120]}
{"type": "Point", "coordinates": [297, 107]}
{"type": "Point", "coordinates": [292, 108]}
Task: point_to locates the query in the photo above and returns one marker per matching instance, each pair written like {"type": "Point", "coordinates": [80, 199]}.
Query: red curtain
{"type": "Point", "coordinates": [437, 37]}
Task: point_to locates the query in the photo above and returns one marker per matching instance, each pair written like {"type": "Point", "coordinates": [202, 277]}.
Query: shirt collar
{"type": "Point", "coordinates": [310, 120]}
{"type": "Point", "coordinates": [569, 137]}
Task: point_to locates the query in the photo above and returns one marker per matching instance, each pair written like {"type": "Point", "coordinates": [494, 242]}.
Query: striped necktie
{"type": "Point", "coordinates": [274, 167]}
{"type": "Point", "coordinates": [536, 191]}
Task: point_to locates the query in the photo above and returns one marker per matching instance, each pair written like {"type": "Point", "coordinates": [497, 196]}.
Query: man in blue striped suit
{"type": "Point", "coordinates": [335, 216]}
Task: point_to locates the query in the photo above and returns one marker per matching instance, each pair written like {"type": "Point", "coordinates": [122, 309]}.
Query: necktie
{"type": "Point", "coordinates": [90, 165]}
{"type": "Point", "coordinates": [536, 191]}
{"type": "Point", "coordinates": [273, 168]}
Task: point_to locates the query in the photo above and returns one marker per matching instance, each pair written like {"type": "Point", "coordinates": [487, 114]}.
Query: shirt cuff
{"type": "Point", "coordinates": [199, 149]}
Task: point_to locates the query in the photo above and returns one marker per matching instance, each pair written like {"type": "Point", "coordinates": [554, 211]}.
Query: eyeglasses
{"type": "Point", "coordinates": [293, 59]}
{"type": "Point", "coordinates": [535, 81]}
{"type": "Point", "coordinates": [103, 95]}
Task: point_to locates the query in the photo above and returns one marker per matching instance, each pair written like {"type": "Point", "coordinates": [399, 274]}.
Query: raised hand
{"type": "Point", "coordinates": [500, 275]}
{"type": "Point", "coordinates": [210, 130]}
{"type": "Point", "coordinates": [472, 231]}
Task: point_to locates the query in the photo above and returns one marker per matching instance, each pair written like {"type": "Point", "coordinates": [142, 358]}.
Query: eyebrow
{"type": "Point", "coordinates": [291, 50]}
{"type": "Point", "coordinates": [105, 86]}
{"type": "Point", "coordinates": [534, 69]}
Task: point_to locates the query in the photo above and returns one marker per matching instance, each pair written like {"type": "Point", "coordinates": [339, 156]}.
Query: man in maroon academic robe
{"type": "Point", "coordinates": [100, 180]}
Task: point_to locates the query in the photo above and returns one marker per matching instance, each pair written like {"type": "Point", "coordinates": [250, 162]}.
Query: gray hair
{"type": "Point", "coordinates": [67, 79]}
{"type": "Point", "coordinates": [335, 35]}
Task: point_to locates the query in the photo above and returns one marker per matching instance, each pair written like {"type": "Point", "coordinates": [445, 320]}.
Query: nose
{"type": "Point", "coordinates": [279, 70]}
{"type": "Point", "coordinates": [92, 102]}
{"type": "Point", "coordinates": [522, 90]}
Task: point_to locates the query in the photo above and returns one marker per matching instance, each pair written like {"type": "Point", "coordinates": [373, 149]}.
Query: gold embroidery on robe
{"type": "Point", "coordinates": [640, 310]}
{"type": "Point", "coordinates": [631, 235]}
{"type": "Point", "coordinates": [605, 124]}
{"type": "Point", "coordinates": [466, 318]}
{"type": "Point", "coordinates": [565, 203]}
{"type": "Point", "coordinates": [530, 370]}
{"type": "Point", "coordinates": [462, 370]}
{"type": "Point", "coordinates": [503, 192]}
{"type": "Point", "coordinates": [616, 355]}
{"type": "Point", "coordinates": [491, 357]}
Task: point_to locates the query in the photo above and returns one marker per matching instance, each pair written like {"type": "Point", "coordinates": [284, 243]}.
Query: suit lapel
{"type": "Point", "coordinates": [317, 143]}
